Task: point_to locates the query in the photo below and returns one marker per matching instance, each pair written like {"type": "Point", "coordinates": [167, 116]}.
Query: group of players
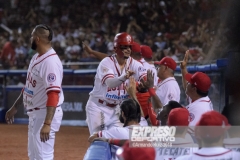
{"type": "Point", "coordinates": [130, 91]}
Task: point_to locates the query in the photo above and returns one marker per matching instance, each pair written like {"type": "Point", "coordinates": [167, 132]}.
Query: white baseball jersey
{"type": "Point", "coordinates": [116, 132]}
{"type": "Point", "coordinates": [232, 143]}
{"type": "Point", "coordinates": [198, 108]}
{"type": "Point", "coordinates": [45, 73]}
{"type": "Point", "coordinates": [219, 153]}
{"type": "Point", "coordinates": [168, 90]}
{"type": "Point", "coordinates": [180, 147]}
{"type": "Point", "coordinates": [151, 67]}
{"type": "Point", "coordinates": [109, 68]}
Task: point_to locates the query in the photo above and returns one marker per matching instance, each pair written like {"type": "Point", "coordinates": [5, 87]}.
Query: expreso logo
{"type": "Point", "coordinates": [165, 134]}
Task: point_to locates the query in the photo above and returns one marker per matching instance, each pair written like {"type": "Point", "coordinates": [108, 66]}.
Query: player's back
{"type": "Point", "coordinates": [219, 153]}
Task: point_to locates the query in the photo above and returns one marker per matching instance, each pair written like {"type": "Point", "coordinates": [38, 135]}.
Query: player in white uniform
{"type": "Point", "coordinates": [168, 89]}
{"type": "Point", "coordinates": [109, 87]}
{"type": "Point", "coordinates": [196, 87]}
{"type": "Point", "coordinates": [212, 139]}
{"type": "Point", "coordinates": [232, 112]}
{"type": "Point", "coordinates": [42, 96]}
{"type": "Point", "coordinates": [183, 145]}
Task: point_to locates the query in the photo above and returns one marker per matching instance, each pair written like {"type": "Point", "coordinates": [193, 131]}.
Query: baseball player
{"type": "Point", "coordinates": [196, 87]}
{"type": "Point", "coordinates": [109, 87]}
{"type": "Point", "coordinates": [211, 139]}
{"type": "Point", "coordinates": [183, 145]}
{"type": "Point", "coordinates": [42, 96]}
{"type": "Point", "coordinates": [232, 112]}
{"type": "Point", "coordinates": [130, 117]}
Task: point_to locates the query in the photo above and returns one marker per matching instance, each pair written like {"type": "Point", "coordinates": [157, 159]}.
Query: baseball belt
{"type": "Point", "coordinates": [107, 104]}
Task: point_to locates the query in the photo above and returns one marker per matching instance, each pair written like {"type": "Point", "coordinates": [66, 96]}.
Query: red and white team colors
{"type": "Point", "coordinates": [43, 76]}
{"type": "Point", "coordinates": [198, 108]}
{"type": "Point", "coordinates": [45, 73]}
{"type": "Point", "coordinates": [151, 67]}
{"type": "Point", "coordinates": [180, 147]}
{"type": "Point", "coordinates": [103, 105]}
{"type": "Point", "coordinates": [212, 154]}
{"type": "Point", "coordinates": [168, 90]}
{"type": "Point", "coordinates": [232, 143]}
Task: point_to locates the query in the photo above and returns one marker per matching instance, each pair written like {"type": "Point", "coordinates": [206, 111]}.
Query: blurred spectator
{"type": "Point", "coordinates": [178, 25]}
{"type": "Point", "coordinates": [8, 54]}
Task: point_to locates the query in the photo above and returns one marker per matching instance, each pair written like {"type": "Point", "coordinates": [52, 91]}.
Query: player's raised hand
{"type": "Point", "coordinates": [9, 117]}
{"type": "Point", "coordinates": [129, 74]}
{"type": "Point", "coordinates": [131, 88]}
{"type": "Point", "coordinates": [183, 64]}
{"type": "Point", "coordinates": [86, 47]}
{"type": "Point", "coordinates": [149, 83]}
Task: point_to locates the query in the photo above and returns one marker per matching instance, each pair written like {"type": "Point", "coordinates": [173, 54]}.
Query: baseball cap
{"type": "Point", "coordinates": [213, 124]}
{"type": "Point", "coordinates": [199, 80]}
{"type": "Point", "coordinates": [139, 153]}
{"type": "Point", "coordinates": [136, 47]}
{"type": "Point", "coordinates": [178, 117]}
{"type": "Point", "coordinates": [167, 61]}
{"type": "Point", "coordinates": [146, 51]}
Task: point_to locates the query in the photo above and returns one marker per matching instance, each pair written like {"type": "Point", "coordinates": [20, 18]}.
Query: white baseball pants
{"type": "Point", "coordinates": [101, 117]}
{"type": "Point", "coordinates": [38, 150]}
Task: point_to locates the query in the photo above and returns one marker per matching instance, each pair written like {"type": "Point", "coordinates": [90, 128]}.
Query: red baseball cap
{"type": "Point", "coordinates": [199, 80]}
{"type": "Point", "coordinates": [139, 153]}
{"type": "Point", "coordinates": [178, 117]}
{"type": "Point", "coordinates": [211, 124]}
{"type": "Point", "coordinates": [146, 51]}
{"type": "Point", "coordinates": [167, 61]}
{"type": "Point", "coordinates": [136, 47]}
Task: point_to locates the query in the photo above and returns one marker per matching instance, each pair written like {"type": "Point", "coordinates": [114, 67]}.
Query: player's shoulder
{"type": "Point", "coordinates": [107, 60]}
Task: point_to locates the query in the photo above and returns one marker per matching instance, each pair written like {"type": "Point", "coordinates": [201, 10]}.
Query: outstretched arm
{"type": "Point", "coordinates": [183, 66]}
{"type": "Point", "coordinates": [132, 90]}
{"type": "Point", "coordinates": [98, 55]}
{"type": "Point", "coordinates": [9, 117]}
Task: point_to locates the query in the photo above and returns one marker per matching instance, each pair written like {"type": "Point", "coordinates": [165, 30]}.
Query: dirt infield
{"type": "Point", "coordinates": [71, 142]}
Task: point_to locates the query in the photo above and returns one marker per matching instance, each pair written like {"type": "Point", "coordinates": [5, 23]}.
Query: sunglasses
{"type": "Point", "coordinates": [125, 47]}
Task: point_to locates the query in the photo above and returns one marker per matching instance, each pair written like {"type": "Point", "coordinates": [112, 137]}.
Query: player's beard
{"type": "Point", "coordinates": [121, 118]}
{"type": "Point", "coordinates": [34, 45]}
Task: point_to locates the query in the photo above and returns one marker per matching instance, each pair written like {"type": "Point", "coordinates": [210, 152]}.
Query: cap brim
{"type": "Point", "coordinates": [188, 77]}
{"type": "Point", "coordinates": [157, 62]}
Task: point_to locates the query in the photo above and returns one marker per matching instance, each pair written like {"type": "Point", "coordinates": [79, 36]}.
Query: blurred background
{"type": "Point", "coordinates": [208, 28]}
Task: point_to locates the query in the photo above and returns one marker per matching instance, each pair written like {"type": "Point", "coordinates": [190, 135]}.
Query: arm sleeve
{"type": "Point", "coordinates": [53, 98]}
{"type": "Point", "coordinates": [114, 82]}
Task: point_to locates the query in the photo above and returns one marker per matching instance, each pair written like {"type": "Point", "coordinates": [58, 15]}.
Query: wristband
{"type": "Point", "coordinates": [151, 92]}
{"type": "Point", "coordinates": [46, 124]}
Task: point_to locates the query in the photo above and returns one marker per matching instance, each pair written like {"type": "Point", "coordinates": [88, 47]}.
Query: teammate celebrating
{"type": "Point", "coordinates": [42, 96]}
{"type": "Point", "coordinates": [196, 87]}
{"type": "Point", "coordinates": [109, 87]}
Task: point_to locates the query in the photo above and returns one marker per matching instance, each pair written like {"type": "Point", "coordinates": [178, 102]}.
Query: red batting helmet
{"type": "Point", "coordinates": [123, 39]}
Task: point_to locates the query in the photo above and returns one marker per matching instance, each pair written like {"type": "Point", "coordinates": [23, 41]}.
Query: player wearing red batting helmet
{"type": "Point", "coordinates": [110, 82]}
{"type": "Point", "coordinates": [123, 41]}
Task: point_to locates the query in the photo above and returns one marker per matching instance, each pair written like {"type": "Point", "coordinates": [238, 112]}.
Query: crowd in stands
{"type": "Point", "coordinates": [169, 27]}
